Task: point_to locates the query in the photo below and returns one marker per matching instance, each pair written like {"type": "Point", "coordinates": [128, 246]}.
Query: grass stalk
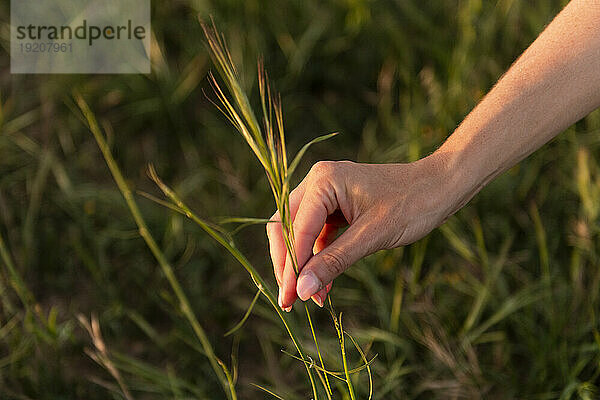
{"type": "Point", "coordinates": [337, 320]}
{"type": "Point", "coordinates": [239, 325]}
{"type": "Point", "coordinates": [258, 280]}
{"type": "Point", "coordinates": [337, 374]}
{"type": "Point", "coordinates": [15, 279]}
{"type": "Point", "coordinates": [344, 357]}
{"type": "Point", "coordinates": [186, 309]}
{"type": "Point", "coordinates": [264, 389]}
{"type": "Point", "coordinates": [267, 143]}
{"type": "Point", "coordinates": [100, 353]}
{"type": "Point", "coordinates": [366, 363]}
{"type": "Point", "coordinates": [312, 330]}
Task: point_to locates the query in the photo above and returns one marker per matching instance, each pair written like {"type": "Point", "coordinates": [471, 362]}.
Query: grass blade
{"type": "Point", "coordinates": [230, 247]}
{"type": "Point", "coordinates": [264, 389]}
{"type": "Point", "coordinates": [151, 243]}
{"type": "Point", "coordinates": [364, 357]}
{"type": "Point", "coordinates": [340, 328]}
{"type": "Point", "coordinates": [246, 315]}
{"type": "Point", "coordinates": [304, 149]}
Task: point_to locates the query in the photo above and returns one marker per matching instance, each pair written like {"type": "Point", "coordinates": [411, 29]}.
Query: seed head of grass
{"type": "Point", "coordinates": [266, 141]}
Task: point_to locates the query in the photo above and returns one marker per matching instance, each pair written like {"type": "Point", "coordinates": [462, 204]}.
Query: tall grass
{"type": "Point", "coordinates": [268, 144]}
{"type": "Point", "coordinates": [218, 366]}
{"type": "Point", "coordinates": [462, 314]}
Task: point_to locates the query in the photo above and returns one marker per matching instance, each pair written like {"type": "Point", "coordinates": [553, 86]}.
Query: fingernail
{"type": "Point", "coordinates": [318, 300]}
{"type": "Point", "coordinates": [288, 309]}
{"type": "Point", "coordinates": [280, 300]}
{"type": "Point", "coordinates": [308, 284]}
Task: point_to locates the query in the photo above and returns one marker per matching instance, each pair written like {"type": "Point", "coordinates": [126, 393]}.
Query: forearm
{"type": "Point", "coordinates": [552, 85]}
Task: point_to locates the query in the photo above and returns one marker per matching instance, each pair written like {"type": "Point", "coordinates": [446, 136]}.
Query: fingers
{"type": "Point", "coordinates": [328, 234]}
{"type": "Point", "coordinates": [275, 234]}
{"type": "Point", "coordinates": [276, 245]}
{"type": "Point", "coordinates": [320, 297]}
{"type": "Point", "coordinates": [287, 293]}
{"type": "Point", "coordinates": [317, 203]}
{"type": "Point", "coordinates": [356, 242]}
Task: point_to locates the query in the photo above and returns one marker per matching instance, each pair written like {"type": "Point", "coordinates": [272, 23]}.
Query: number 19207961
{"type": "Point", "coordinates": [49, 47]}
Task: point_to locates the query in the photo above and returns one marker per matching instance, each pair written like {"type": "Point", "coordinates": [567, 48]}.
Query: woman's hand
{"type": "Point", "coordinates": [383, 205]}
{"type": "Point", "coordinates": [551, 86]}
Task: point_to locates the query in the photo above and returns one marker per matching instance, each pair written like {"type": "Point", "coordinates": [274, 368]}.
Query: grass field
{"type": "Point", "coordinates": [502, 302]}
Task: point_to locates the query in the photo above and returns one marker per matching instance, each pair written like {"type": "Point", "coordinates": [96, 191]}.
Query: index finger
{"type": "Point", "coordinates": [277, 247]}
{"type": "Point", "coordinates": [317, 203]}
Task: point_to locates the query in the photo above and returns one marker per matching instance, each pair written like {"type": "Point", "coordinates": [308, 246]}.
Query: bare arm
{"type": "Point", "coordinates": [552, 85]}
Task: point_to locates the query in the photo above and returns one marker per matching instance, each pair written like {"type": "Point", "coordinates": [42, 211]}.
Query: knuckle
{"type": "Point", "coordinates": [322, 168]}
{"type": "Point", "coordinates": [346, 163]}
{"type": "Point", "coordinates": [329, 169]}
{"type": "Point", "coordinates": [334, 262]}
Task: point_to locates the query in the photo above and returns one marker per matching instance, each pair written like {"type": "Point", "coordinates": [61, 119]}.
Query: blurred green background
{"type": "Point", "coordinates": [501, 302]}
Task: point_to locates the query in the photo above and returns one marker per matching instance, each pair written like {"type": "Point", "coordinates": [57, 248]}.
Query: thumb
{"type": "Point", "coordinates": [355, 243]}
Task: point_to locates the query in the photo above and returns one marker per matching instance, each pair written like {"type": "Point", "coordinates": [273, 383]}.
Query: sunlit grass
{"type": "Point", "coordinates": [218, 366]}
{"type": "Point", "coordinates": [464, 313]}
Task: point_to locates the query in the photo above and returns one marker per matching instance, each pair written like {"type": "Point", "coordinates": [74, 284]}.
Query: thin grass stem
{"type": "Point", "coordinates": [154, 248]}
{"type": "Point", "coordinates": [239, 325]}
{"type": "Point", "coordinates": [336, 374]}
{"type": "Point", "coordinates": [230, 247]}
{"type": "Point", "coordinates": [15, 279]}
{"type": "Point", "coordinates": [264, 389]}
{"type": "Point", "coordinates": [367, 366]}
{"type": "Point", "coordinates": [345, 359]}
{"type": "Point", "coordinates": [312, 329]}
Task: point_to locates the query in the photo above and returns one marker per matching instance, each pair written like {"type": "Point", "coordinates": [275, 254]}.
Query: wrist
{"type": "Point", "coordinates": [459, 175]}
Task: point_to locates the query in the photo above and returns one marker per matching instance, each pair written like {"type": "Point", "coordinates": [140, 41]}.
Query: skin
{"type": "Point", "coordinates": [554, 83]}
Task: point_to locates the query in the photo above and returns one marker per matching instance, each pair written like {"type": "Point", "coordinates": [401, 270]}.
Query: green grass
{"type": "Point", "coordinates": [500, 303]}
